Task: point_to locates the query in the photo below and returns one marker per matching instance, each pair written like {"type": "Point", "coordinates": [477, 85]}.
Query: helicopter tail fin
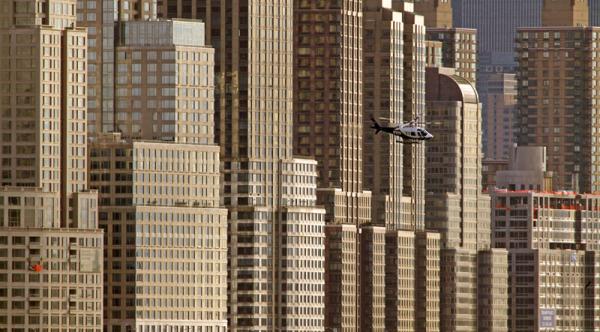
{"type": "Point", "coordinates": [375, 126]}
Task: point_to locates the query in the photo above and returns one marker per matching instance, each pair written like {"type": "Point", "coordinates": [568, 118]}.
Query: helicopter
{"type": "Point", "coordinates": [407, 133]}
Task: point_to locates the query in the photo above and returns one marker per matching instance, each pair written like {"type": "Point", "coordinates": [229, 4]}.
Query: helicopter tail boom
{"type": "Point", "coordinates": [376, 126]}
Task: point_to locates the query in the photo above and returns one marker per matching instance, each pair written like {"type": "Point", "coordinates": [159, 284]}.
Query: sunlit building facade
{"type": "Point", "coordinates": [166, 254]}
{"type": "Point", "coordinates": [457, 208]}
{"type": "Point", "coordinates": [50, 244]}
{"type": "Point", "coordinates": [264, 185]}
{"type": "Point", "coordinates": [546, 86]}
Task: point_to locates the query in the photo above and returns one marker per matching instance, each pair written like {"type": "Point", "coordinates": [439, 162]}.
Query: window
{"type": "Point", "coordinates": [14, 218]}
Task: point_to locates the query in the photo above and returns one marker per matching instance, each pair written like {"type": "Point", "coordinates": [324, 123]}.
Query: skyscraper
{"type": "Point", "coordinates": [328, 104]}
{"type": "Point", "coordinates": [99, 16]}
{"type": "Point", "coordinates": [413, 155]}
{"type": "Point", "coordinates": [557, 96]}
{"type": "Point", "coordinates": [50, 245]}
{"type": "Point", "coordinates": [500, 115]}
{"type": "Point", "coordinates": [154, 81]}
{"type": "Point", "coordinates": [164, 87]}
{"type": "Point", "coordinates": [455, 205]}
{"type": "Point", "coordinates": [165, 185]}
{"type": "Point", "coordinates": [166, 254]}
{"type": "Point", "coordinates": [383, 58]}
{"type": "Point", "coordinates": [458, 44]}
{"type": "Point", "coordinates": [458, 49]}
{"type": "Point", "coordinates": [276, 231]}
{"type": "Point", "coordinates": [391, 36]}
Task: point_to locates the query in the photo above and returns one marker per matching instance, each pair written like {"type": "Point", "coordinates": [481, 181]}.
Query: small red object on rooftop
{"type": "Point", "coordinates": [37, 268]}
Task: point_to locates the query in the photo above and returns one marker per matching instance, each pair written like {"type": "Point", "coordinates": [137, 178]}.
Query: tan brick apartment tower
{"type": "Point", "coordinates": [50, 245]}
{"type": "Point", "coordinates": [159, 183]}
{"type": "Point", "coordinates": [558, 94]}
{"type": "Point", "coordinates": [471, 284]}
{"type": "Point", "coordinates": [455, 206]}
{"type": "Point", "coordinates": [392, 46]}
{"type": "Point", "coordinates": [166, 258]}
{"type": "Point", "coordinates": [277, 234]}
{"type": "Point", "coordinates": [328, 111]}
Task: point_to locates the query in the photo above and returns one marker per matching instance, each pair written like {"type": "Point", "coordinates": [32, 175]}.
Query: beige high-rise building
{"type": "Point", "coordinates": [169, 183]}
{"type": "Point", "coordinates": [372, 282]}
{"type": "Point", "coordinates": [99, 16]}
{"type": "Point", "coordinates": [341, 302]}
{"type": "Point", "coordinates": [383, 57]}
{"type": "Point", "coordinates": [387, 58]}
{"type": "Point", "coordinates": [43, 99]}
{"type": "Point", "coordinates": [277, 234]}
{"type": "Point", "coordinates": [455, 205]}
{"type": "Point", "coordinates": [413, 155]}
{"type": "Point", "coordinates": [50, 275]}
{"type": "Point", "coordinates": [166, 258]}
{"type": "Point", "coordinates": [459, 49]}
{"type": "Point", "coordinates": [164, 86]}
{"type": "Point", "coordinates": [328, 126]}
{"type": "Point", "coordinates": [50, 244]}
{"type": "Point", "coordinates": [558, 94]}
{"type": "Point", "coordinates": [492, 296]}
{"type": "Point", "coordinates": [500, 115]}
{"type": "Point", "coordinates": [400, 270]}
{"type": "Point", "coordinates": [427, 281]}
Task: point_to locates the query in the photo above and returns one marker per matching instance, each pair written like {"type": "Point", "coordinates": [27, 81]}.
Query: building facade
{"type": "Point", "coordinates": [164, 87]}
{"type": "Point", "coordinates": [540, 298]}
{"type": "Point", "coordinates": [50, 244]}
{"type": "Point", "coordinates": [100, 16]}
{"type": "Point", "coordinates": [264, 186]}
{"type": "Point", "coordinates": [594, 11]}
{"type": "Point", "coordinates": [459, 49]}
{"type": "Point", "coordinates": [457, 209]}
{"type": "Point", "coordinates": [391, 38]}
{"type": "Point", "coordinates": [383, 58]}
{"type": "Point", "coordinates": [499, 118]}
{"type": "Point", "coordinates": [548, 60]}
{"type": "Point", "coordinates": [328, 103]}
{"type": "Point", "coordinates": [568, 13]}
{"type": "Point", "coordinates": [437, 13]}
{"type": "Point", "coordinates": [166, 258]}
